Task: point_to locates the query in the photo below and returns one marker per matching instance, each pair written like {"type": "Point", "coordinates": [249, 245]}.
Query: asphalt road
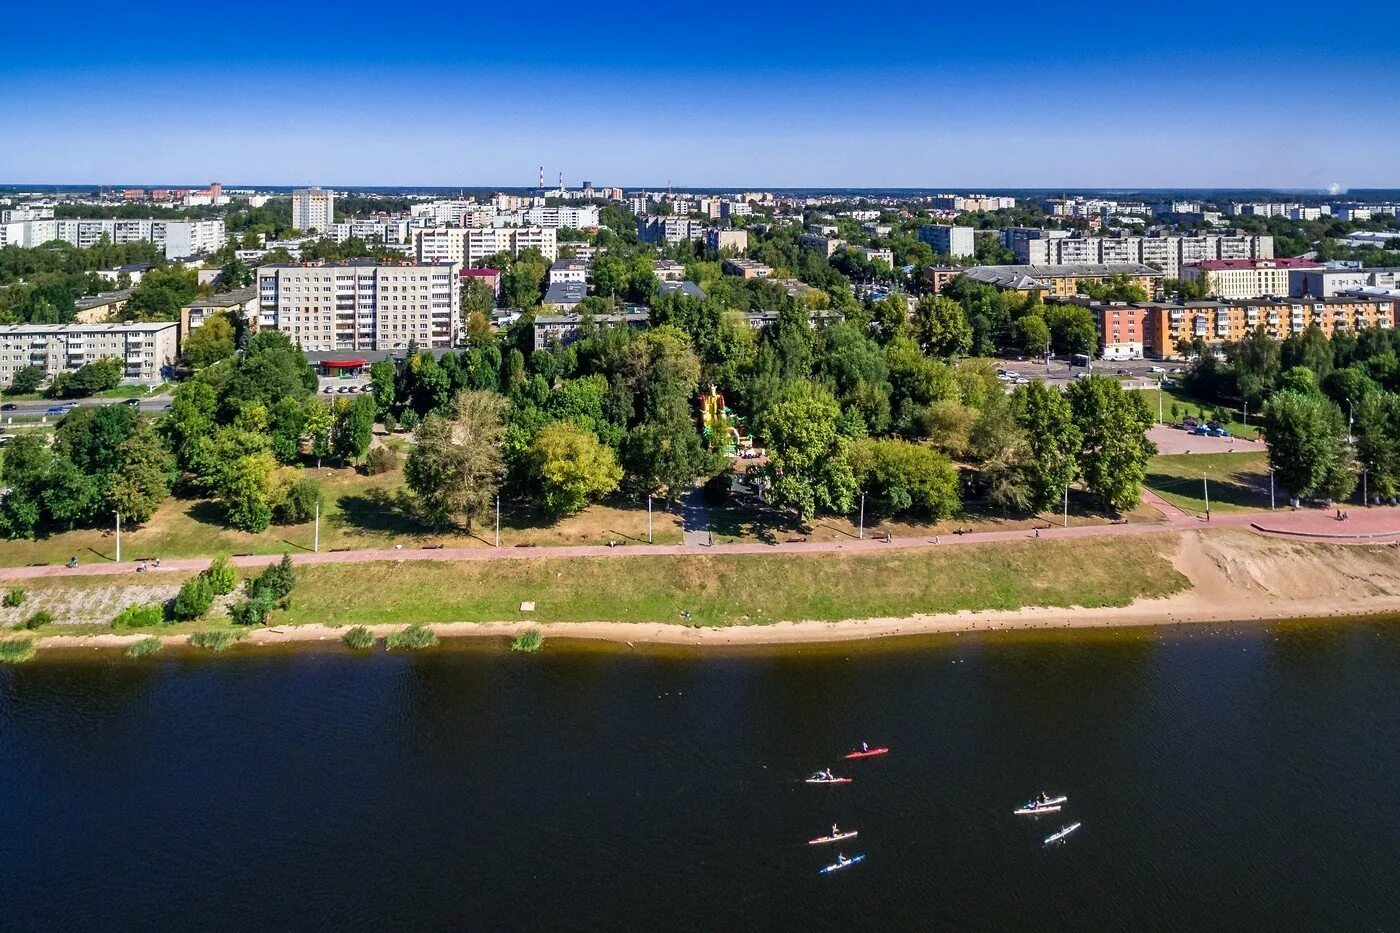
{"type": "Point", "coordinates": [28, 411]}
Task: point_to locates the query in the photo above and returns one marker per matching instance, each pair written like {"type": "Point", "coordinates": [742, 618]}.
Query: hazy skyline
{"type": "Point", "coordinates": [1185, 94]}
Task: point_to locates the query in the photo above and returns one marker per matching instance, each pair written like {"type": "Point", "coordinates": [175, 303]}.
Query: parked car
{"type": "Point", "coordinates": [1219, 432]}
{"type": "Point", "coordinates": [1157, 369]}
{"type": "Point", "coordinates": [5, 439]}
{"type": "Point", "coordinates": [329, 390]}
{"type": "Point", "coordinates": [1201, 430]}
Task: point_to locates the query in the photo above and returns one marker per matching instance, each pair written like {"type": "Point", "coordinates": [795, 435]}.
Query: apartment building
{"type": "Point", "coordinates": [668, 270]}
{"type": "Point", "coordinates": [240, 303]}
{"type": "Point", "coordinates": [717, 239]}
{"type": "Point", "coordinates": [1218, 322]}
{"type": "Point", "coordinates": [388, 232]}
{"type": "Point", "coordinates": [454, 213]}
{"type": "Point", "coordinates": [470, 245]}
{"type": "Point", "coordinates": [747, 269]}
{"type": "Point", "coordinates": [972, 203]}
{"type": "Point", "coordinates": [361, 305]}
{"type": "Point", "coordinates": [568, 270]}
{"type": "Point", "coordinates": [1247, 278]}
{"type": "Point", "coordinates": [566, 328]}
{"type": "Point", "coordinates": [669, 229]}
{"type": "Point", "coordinates": [1167, 253]}
{"type": "Point", "coordinates": [555, 217]}
{"type": "Point", "coordinates": [1063, 280]}
{"type": "Point", "coordinates": [176, 238]}
{"type": "Point", "coordinates": [825, 245]}
{"type": "Point", "coordinates": [144, 350]}
{"type": "Point", "coordinates": [313, 209]}
{"type": "Point", "coordinates": [100, 308]}
{"type": "Point", "coordinates": [874, 255]}
{"type": "Point", "coordinates": [946, 240]}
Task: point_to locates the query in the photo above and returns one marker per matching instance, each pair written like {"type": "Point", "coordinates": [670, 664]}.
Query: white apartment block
{"type": "Point", "coordinates": [454, 213]}
{"type": "Point", "coordinates": [313, 209]}
{"type": "Point", "coordinates": [875, 255]}
{"type": "Point", "coordinates": [717, 239]}
{"type": "Point", "coordinates": [555, 217]}
{"type": "Point", "coordinates": [388, 232]}
{"type": "Point", "coordinates": [946, 240]}
{"type": "Point", "coordinates": [176, 238]}
{"type": "Point", "coordinates": [1167, 253]}
{"type": "Point", "coordinates": [361, 305]}
{"type": "Point", "coordinates": [143, 349]}
{"type": "Point", "coordinates": [470, 245]}
{"type": "Point", "coordinates": [568, 270]}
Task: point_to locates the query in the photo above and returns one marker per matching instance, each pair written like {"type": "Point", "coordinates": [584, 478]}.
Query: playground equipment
{"type": "Point", "coordinates": [718, 418]}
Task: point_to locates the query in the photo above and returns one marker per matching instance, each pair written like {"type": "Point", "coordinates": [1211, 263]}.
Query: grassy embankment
{"type": "Point", "coordinates": [715, 591]}
{"type": "Point", "coordinates": [1238, 482]}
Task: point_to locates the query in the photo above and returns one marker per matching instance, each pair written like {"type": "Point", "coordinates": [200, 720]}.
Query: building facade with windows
{"type": "Point", "coordinates": [1166, 253]}
{"type": "Point", "coordinates": [361, 305]}
{"type": "Point", "coordinates": [946, 240]}
{"type": "Point", "coordinates": [1247, 278]}
{"type": "Point", "coordinates": [144, 349]}
{"type": "Point", "coordinates": [1220, 322]}
{"type": "Point", "coordinates": [313, 209]}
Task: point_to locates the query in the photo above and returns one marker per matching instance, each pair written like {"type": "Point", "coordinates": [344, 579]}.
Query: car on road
{"type": "Point", "coordinates": [1157, 369]}
{"type": "Point", "coordinates": [8, 406]}
{"type": "Point", "coordinates": [133, 402]}
{"type": "Point", "coordinates": [58, 410]}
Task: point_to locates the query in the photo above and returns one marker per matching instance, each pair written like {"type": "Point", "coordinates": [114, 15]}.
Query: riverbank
{"type": "Point", "coordinates": [1199, 577]}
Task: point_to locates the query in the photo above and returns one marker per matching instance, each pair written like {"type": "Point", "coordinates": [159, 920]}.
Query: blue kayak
{"type": "Point", "coordinates": [841, 863]}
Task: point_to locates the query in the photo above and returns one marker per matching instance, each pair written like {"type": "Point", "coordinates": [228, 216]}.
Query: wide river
{"type": "Point", "coordinates": [1235, 778]}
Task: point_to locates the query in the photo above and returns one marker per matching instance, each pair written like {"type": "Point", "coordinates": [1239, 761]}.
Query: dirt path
{"type": "Point", "coordinates": [1377, 525]}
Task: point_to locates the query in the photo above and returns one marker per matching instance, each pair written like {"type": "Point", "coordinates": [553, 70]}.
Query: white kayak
{"type": "Point", "coordinates": [840, 863]}
{"type": "Point", "coordinates": [1041, 806]}
{"type": "Point", "coordinates": [1057, 836]}
{"type": "Point", "coordinates": [848, 834]}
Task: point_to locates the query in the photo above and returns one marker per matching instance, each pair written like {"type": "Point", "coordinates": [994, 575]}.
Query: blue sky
{"type": "Point", "coordinates": [1005, 94]}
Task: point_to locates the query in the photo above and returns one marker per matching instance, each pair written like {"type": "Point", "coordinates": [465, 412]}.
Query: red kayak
{"type": "Point", "coordinates": [868, 753]}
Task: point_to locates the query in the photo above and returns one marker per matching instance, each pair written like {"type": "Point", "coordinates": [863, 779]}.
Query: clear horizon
{"type": "Point", "coordinates": [1180, 95]}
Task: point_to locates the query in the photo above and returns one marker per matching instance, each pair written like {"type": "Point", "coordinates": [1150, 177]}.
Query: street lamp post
{"type": "Point", "coordinates": [650, 540]}
{"type": "Point", "coordinates": [498, 519]}
{"type": "Point", "coordinates": [1205, 483]}
{"type": "Point", "coordinates": [862, 515]}
{"type": "Point", "coordinates": [316, 530]}
{"type": "Point", "coordinates": [1271, 489]}
{"type": "Point", "coordinates": [1066, 505]}
{"type": "Point", "coordinates": [119, 537]}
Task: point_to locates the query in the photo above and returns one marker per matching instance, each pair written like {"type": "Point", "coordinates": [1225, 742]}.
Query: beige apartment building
{"type": "Point", "coordinates": [470, 245]}
{"type": "Point", "coordinates": [143, 349]}
{"type": "Point", "coordinates": [1166, 253]}
{"type": "Point", "coordinates": [361, 305]}
{"type": "Point", "coordinates": [1247, 278]}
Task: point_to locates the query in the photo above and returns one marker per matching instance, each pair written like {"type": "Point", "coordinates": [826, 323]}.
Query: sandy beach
{"type": "Point", "coordinates": [1234, 577]}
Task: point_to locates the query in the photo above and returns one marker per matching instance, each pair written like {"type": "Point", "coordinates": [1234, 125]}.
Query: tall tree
{"type": "Point", "coordinates": [1052, 441]}
{"type": "Point", "coordinates": [455, 468]}
{"type": "Point", "coordinates": [808, 457]}
{"type": "Point", "coordinates": [570, 468]}
{"type": "Point", "coordinates": [1309, 450]}
{"type": "Point", "coordinates": [1115, 452]}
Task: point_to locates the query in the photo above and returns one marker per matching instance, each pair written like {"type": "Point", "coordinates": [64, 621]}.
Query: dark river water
{"type": "Point", "coordinates": [1229, 778]}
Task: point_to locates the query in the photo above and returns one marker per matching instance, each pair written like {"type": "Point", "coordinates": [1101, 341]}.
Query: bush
{"type": "Point", "coordinates": [413, 637]}
{"type": "Point", "coordinates": [410, 420]}
{"type": "Point", "coordinates": [276, 581]}
{"type": "Point", "coordinates": [252, 611]}
{"type": "Point", "coordinates": [391, 424]}
{"type": "Point", "coordinates": [14, 596]}
{"type": "Point", "coordinates": [223, 579]}
{"type": "Point", "coordinates": [138, 616]}
{"type": "Point", "coordinates": [194, 599]}
{"type": "Point", "coordinates": [218, 641]}
{"type": "Point", "coordinates": [529, 641]}
{"type": "Point", "coordinates": [717, 488]}
{"type": "Point", "coordinates": [40, 618]}
{"type": "Point", "coordinates": [298, 505]}
{"type": "Point", "coordinates": [139, 649]}
{"type": "Point", "coordinates": [381, 460]}
{"type": "Point", "coordinates": [358, 638]}
{"type": "Point", "coordinates": [16, 650]}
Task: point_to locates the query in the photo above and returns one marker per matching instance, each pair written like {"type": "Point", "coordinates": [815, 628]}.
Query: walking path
{"type": "Point", "coordinates": [1376, 525]}
{"type": "Point", "coordinates": [695, 518]}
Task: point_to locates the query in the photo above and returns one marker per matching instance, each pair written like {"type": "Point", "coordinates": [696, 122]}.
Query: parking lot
{"type": "Point", "coordinates": [1136, 373]}
{"type": "Point", "coordinates": [333, 385]}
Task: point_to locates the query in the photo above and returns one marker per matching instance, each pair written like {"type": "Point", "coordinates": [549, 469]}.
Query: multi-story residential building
{"type": "Point", "coordinates": [669, 229]}
{"type": "Point", "coordinates": [735, 209]}
{"type": "Point", "coordinates": [566, 328]}
{"type": "Point", "coordinates": [668, 270]}
{"type": "Point", "coordinates": [939, 276]}
{"type": "Point", "coordinates": [1167, 253]}
{"type": "Point", "coordinates": [144, 350]}
{"type": "Point", "coordinates": [946, 240]}
{"type": "Point", "coordinates": [176, 238]}
{"type": "Point", "coordinates": [972, 203]}
{"type": "Point", "coordinates": [688, 289]}
{"type": "Point", "coordinates": [568, 270]}
{"type": "Point", "coordinates": [1246, 278]}
{"type": "Point", "coordinates": [313, 209]}
{"type": "Point", "coordinates": [717, 239]}
{"type": "Point", "coordinates": [747, 269]}
{"type": "Point", "coordinates": [101, 308]}
{"type": "Point", "coordinates": [827, 246]}
{"type": "Point", "coordinates": [455, 213]}
{"type": "Point", "coordinates": [1219, 322]}
{"type": "Point", "coordinates": [1064, 280]}
{"type": "Point", "coordinates": [241, 303]}
{"type": "Point", "coordinates": [875, 255]}
{"type": "Point", "coordinates": [361, 305]}
{"type": "Point", "coordinates": [388, 232]}
{"type": "Point", "coordinates": [555, 217]}
{"type": "Point", "coordinates": [492, 277]}
{"type": "Point", "coordinates": [470, 245]}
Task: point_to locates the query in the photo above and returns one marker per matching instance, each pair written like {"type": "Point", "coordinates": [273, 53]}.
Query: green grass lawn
{"type": "Point", "coordinates": [1190, 406]}
{"type": "Point", "coordinates": [740, 589]}
{"type": "Point", "coordinates": [1237, 482]}
{"type": "Point", "coordinates": [358, 512]}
